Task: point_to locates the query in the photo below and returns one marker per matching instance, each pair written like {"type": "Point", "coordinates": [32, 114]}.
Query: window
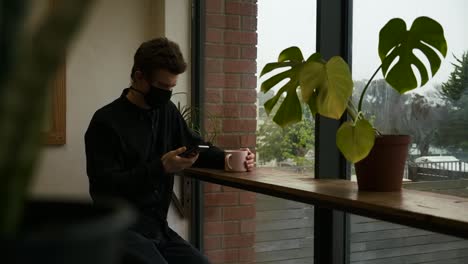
{"type": "Point", "coordinates": [280, 27]}
{"type": "Point", "coordinates": [434, 115]}
{"type": "Point", "coordinates": [238, 225]}
{"type": "Point", "coordinates": [284, 229]}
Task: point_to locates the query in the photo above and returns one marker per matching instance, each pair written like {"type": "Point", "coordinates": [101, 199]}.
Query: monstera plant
{"type": "Point", "coordinates": [326, 86]}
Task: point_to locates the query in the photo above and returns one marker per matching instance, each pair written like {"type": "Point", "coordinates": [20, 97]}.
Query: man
{"type": "Point", "coordinates": [133, 148]}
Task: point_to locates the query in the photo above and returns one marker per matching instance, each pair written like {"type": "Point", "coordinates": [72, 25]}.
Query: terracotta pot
{"type": "Point", "coordinates": [382, 170]}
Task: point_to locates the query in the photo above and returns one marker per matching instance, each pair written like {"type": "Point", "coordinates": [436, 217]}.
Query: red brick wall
{"type": "Point", "coordinates": [230, 96]}
{"type": "Point", "coordinates": [229, 231]}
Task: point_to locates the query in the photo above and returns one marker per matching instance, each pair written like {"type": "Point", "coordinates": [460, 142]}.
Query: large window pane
{"type": "Point", "coordinates": [436, 117]}
{"type": "Point", "coordinates": [377, 242]}
{"type": "Point", "coordinates": [281, 26]}
{"type": "Point", "coordinates": [284, 229]}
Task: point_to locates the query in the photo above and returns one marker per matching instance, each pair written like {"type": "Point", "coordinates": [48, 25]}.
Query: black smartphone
{"type": "Point", "coordinates": [194, 150]}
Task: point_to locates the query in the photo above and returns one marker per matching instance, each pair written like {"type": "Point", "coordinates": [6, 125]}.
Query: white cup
{"type": "Point", "coordinates": [234, 160]}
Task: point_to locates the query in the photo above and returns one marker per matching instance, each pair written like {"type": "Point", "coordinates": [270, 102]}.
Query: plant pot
{"type": "Point", "coordinates": [68, 232]}
{"type": "Point", "coordinates": [382, 170]}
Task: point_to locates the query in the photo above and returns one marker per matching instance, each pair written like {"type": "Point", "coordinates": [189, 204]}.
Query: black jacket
{"type": "Point", "coordinates": [124, 145]}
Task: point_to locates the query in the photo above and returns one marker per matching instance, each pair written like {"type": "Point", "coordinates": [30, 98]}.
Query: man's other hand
{"type": "Point", "coordinates": [250, 160]}
{"type": "Point", "coordinates": [173, 163]}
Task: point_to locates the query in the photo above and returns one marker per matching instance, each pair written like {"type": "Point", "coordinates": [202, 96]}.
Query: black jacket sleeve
{"type": "Point", "coordinates": [106, 168]}
{"type": "Point", "coordinates": [212, 158]}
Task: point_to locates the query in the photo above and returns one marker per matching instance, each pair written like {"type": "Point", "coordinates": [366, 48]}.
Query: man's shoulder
{"type": "Point", "coordinates": [108, 111]}
{"type": "Point", "coordinates": [172, 107]}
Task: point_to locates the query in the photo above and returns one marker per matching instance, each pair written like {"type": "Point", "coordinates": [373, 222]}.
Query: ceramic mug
{"type": "Point", "coordinates": [234, 160]}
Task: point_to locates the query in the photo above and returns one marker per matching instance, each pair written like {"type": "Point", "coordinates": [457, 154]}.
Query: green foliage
{"type": "Point", "coordinates": [458, 81]}
{"type": "Point", "coordinates": [398, 44]}
{"type": "Point", "coordinates": [290, 112]}
{"type": "Point", "coordinates": [454, 129]}
{"type": "Point", "coordinates": [191, 116]}
{"type": "Point", "coordinates": [453, 132]}
{"type": "Point", "coordinates": [32, 61]}
{"type": "Point", "coordinates": [358, 147]}
{"type": "Point", "coordinates": [292, 142]}
{"type": "Point", "coordinates": [326, 86]}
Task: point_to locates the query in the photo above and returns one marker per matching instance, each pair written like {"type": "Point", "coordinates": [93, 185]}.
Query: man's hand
{"type": "Point", "coordinates": [249, 160]}
{"type": "Point", "coordinates": [173, 163]}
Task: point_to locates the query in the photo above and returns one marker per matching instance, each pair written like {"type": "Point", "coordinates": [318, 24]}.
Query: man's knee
{"type": "Point", "coordinates": [140, 250]}
{"type": "Point", "coordinates": [200, 259]}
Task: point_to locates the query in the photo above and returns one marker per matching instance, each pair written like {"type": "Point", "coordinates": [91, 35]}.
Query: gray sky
{"type": "Point", "coordinates": [282, 24]}
{"type": "Point", "coordinates": [286, 23]}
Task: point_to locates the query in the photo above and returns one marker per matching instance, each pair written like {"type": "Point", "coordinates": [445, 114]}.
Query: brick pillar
{"type": "Point", "coordinates": [230, 96]}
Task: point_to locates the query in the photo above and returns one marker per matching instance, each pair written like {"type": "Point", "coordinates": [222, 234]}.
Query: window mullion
{"type": "Point", "coordinates": [331, 227]}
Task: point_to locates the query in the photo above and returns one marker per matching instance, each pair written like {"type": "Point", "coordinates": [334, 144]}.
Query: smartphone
{"type": "Point", "coordinates": [194, 150]}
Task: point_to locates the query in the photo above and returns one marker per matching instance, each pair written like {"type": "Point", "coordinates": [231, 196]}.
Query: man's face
{"type": "Point", "coordinates": [163, 79]}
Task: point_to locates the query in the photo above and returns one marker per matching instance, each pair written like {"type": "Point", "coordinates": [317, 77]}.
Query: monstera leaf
{"type": "Point", "coordinates": [290, 110]}
{"type": "Point", "coordinates": [325, 86]}
{"type": "Point", "coordinates": [396, 46]}
{"type": "Point", "coordinates": [329, 84]}
{"type": "Point", "coordinates": [355, 141]}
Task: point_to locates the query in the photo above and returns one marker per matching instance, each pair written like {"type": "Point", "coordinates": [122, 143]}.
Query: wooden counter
{"type": "Point", "coordinates": [435, 212]}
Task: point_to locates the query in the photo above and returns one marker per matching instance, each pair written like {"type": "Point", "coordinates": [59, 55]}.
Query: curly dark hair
{"type": "Point", "coordinates": [158, 53]}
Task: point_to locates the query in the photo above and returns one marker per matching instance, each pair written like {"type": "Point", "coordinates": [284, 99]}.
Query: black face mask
{"type": "Point", "coordinates": [156, 96]}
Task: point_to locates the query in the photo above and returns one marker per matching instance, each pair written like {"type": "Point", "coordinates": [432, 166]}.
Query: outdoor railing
{"type": "Point", "coordinates": [437, 170]}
